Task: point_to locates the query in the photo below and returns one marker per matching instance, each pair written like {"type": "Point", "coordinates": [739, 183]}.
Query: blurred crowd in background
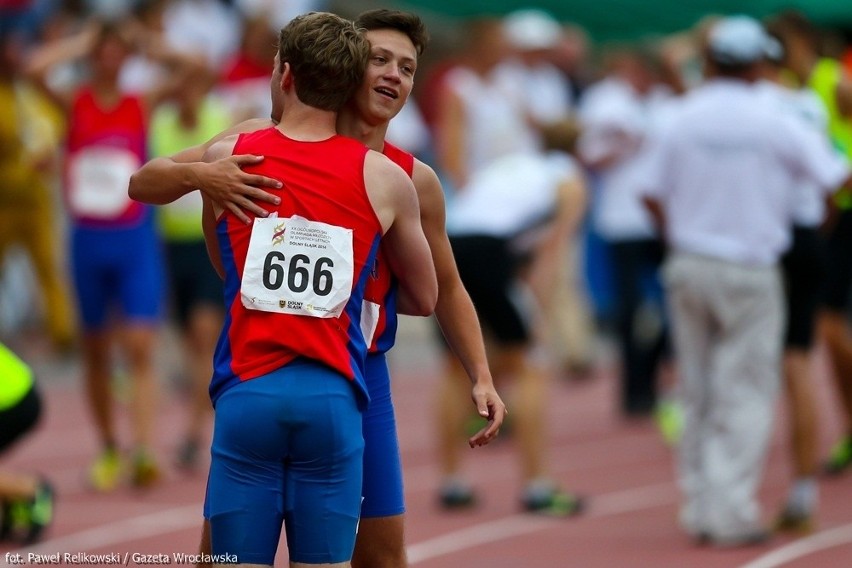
{"type": "Point", "coordinates": [489, 91]}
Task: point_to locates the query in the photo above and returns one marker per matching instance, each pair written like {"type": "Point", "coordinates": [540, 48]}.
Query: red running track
{"type": "Point", "coordinates": [623, 467]}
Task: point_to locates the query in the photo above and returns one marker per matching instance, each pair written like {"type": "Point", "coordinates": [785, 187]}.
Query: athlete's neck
{"type": "Point", "coordinates": [350, 123]}
{"type": "Point", "coordinates": [105, 90]}
{"type": "Point", "coordinates": [307, 124]}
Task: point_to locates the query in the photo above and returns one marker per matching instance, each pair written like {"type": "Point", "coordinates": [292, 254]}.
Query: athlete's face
{"type": "Point", "coordinates": [110, 54]}
{"type": "Point", "coordinates": [389, 76]}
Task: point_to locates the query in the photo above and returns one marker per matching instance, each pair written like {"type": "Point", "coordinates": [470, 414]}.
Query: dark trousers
{"type": "Point", "coordinates": [642, 342]}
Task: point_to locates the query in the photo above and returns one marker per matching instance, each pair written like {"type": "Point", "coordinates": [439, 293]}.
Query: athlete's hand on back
{"type": "Point", "coordinates": [224, 182]}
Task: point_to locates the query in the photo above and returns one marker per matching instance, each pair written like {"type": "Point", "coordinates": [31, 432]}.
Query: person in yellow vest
{"type": "Point", "coordinates": [827, 78]}
{"type": "Point", "coordinates": [29, 138]}
{"type": "Point", "coordinates": [26, 501]}
{"type": "Point", "coordinates": [192, 117]}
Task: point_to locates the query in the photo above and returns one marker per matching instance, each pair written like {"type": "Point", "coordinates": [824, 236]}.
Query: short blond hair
{"type": "Point", "coordinates": [327, 56]}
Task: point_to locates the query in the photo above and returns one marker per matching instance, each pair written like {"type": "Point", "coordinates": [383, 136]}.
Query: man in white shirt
{"type": "Point", "coordinates": [718, 183]}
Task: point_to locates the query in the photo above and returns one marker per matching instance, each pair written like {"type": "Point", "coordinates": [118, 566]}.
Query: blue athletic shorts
{"type": "Point", "coordinates": [120, 268]}
{"type": "Point", "coordinates": [383, 495]}
{"type": "Point", "coordinates": [287, 447]}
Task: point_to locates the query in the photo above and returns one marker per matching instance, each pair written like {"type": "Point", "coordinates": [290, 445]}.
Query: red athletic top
{"type": "Point", "coordinates": [381, 287]}
{"type": "Point", "coordinates": [105, 146]}
{"type": "Point", "coordinates": [323, 183]}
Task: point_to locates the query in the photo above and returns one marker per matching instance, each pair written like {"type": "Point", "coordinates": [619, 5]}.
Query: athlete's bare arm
{"type": "Point", "coordinates": [47, 56]}
{"type": "Point", "coordinates": [166, 179]}
{"type": "Point", "coordinates": [217, 152]}
{"type": "Point", "coordinates": [208, 224]}
{"type": "Point", "coordinates": [455, 311]}
{"type": "Point", "coordinates": [395, 202]}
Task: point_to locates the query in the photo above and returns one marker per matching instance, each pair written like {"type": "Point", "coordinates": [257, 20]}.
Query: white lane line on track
{"type": "Point", "coordinates": [803, 547]}
{"type": "Point", "coordinates": [189, 516]}
{"type": "Point", "coordinates": [476, 535]}
{"type": "Point", "coordinates": [127, 530]}
{"type": "Point", "coordinates": [605, 505]}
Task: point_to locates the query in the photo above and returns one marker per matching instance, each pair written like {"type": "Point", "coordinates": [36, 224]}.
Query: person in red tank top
{"type": "Point", "coordinates": [114, 255]}
{"type": "Point", "coordinates": [288, 383]}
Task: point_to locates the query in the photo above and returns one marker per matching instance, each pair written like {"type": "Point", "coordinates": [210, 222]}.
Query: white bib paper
{"type": "Point", "coordinates": [369, 320]}
{"type": "Point", "coordinates": [98, 180]}
{"type": "Point", "coordinates": [296, 266]}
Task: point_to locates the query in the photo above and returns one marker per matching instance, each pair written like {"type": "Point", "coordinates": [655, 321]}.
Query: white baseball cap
{"type": "Point", "coordinates": [738, 40]}
{"type": "Point", "coordinates": [532, 29]}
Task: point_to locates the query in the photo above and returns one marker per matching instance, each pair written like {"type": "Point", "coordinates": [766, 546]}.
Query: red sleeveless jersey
{"type": "Point", "coordinates": [323, 182]}
{"type": "Point", "coordinates": [105, 146]}
{"type": "Point", "coordinates": [381, 287]}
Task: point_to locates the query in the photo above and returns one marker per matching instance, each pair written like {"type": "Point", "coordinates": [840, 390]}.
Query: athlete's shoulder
{"type": "Point", "coordinates": [253, 124]}
{"type": "Point", "coordinates": [221, 148]}
{"type": "Point", "coordinates": [424, 176]}
{"type": "Point", "coordinates": [379, 163]}
{"type": "Point", "coordinates": [400, 157]}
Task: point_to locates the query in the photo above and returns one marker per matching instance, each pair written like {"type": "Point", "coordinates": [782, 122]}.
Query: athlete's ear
{"type": "Point", "coordinates": [286, 76]}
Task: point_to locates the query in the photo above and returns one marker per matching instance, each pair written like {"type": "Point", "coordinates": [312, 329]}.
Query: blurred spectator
{"type": "Point", "coordinates": [619, 115]}
{"type": "Point", "coordinates": [555, 276]}
{"type": "Point", "coordinates": [804, 270]}
{"type": "Point", "coordinates": [115, 253]}
{"type": "Point", "coordinates": [111, 10]}
{"type": "Point", "coordinates": [278, 13]}
{"type": "Point", "coordinates": [244, 83]}
{"type": "Point", "coordinates": [203, 27]}
{"type": "Point", "coordinates": [408, 131]}
{"type": "Point", "coordinates": [26, 500]}
{"type": "Point", "coordinates": [719, 183]}
{"type": "Point", "coordinates": [140, 72]}
{"type": "Point", "coordinates": [827, 78]}
{"type": "Point", "coordinates": [544, 95]}
{"type": "Point", "coordinates": [192, 117]}
{"type": "Point", "coordinates": [520, 207]}
{"type": "Point", "coordinates": [477, 119]}
{"type": "Point", "coordinates": [29, 140]}
{"type": "Point", "coordinates": [571, 56]}
{"type": "Point", "coordinates": [538, 86]}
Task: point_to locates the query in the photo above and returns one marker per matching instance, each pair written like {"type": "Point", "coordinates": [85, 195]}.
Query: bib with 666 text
{"type": "Point", "coordinates": [296, 266]}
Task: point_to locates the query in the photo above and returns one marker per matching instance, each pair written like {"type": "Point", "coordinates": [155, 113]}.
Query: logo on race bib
{"type": "Point", "coordinates": [278, 233]}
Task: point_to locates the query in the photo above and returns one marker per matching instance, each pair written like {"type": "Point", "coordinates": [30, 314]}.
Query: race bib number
{"type": "Point", "coordinates": [97, 181]}
{"type": "Point", "coordinates": [300, 267]}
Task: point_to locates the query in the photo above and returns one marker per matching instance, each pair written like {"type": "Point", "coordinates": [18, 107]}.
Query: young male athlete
{"type": "Point", "coordinates": [288, 381]}
{"type": "Point", "coordinates": [397, 39]}
{"type": "Point", "coordinates": [114, 249]}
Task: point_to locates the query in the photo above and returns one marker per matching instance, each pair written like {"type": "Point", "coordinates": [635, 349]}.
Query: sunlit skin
{"type": "Point", "coordinates": [388, 80]}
